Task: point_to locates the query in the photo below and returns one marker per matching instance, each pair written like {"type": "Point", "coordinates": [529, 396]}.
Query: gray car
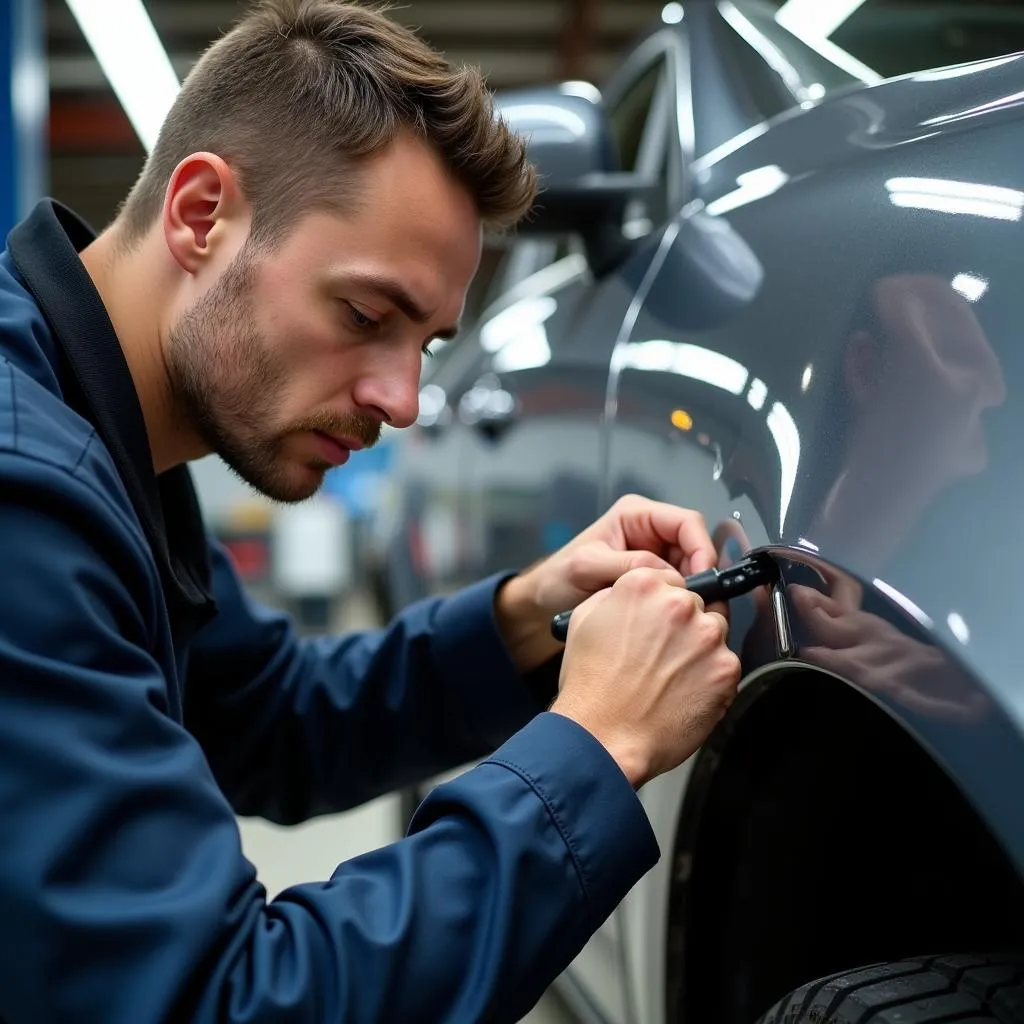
{"type": "Point", "coordinates": [781, 280]}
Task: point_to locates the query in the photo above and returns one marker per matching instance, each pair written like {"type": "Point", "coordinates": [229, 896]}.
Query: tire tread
{"type": "Point", "coordinates": [951, 989]}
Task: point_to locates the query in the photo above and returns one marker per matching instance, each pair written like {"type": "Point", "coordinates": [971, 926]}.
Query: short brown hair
{"type": "Point", "coordinates": [299, 90]}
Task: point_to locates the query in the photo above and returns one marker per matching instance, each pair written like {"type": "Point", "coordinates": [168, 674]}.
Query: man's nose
{"type": "Point", "coordinates": [393, 396]}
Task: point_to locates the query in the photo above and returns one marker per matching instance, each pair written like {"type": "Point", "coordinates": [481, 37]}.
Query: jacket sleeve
{"type": "Point", "coordinates": [126, 896]}
{"type": "Point", "coordinates": [294, 727]}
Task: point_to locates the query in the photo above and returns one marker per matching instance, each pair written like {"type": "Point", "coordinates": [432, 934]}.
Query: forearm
{"type": "Point", "coordinates": [297, 728]}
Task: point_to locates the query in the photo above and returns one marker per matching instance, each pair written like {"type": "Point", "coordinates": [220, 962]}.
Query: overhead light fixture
{"type": "Point", "coordinates": [133, 59]}
{"type": "Point", "coordinates": [816, 18]}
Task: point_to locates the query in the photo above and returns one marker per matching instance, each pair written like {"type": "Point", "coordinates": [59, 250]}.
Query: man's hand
{"type": "Point", "coordinates": [647, 672]}
{"type": "Point", "coordinates": [634, 533]}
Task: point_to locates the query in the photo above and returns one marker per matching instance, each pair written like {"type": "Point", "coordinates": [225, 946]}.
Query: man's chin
{"type": "Point", "coordinates": [298, 482]}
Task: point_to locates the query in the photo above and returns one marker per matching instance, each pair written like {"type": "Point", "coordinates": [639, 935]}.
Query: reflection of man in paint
{"type": "Point", "coordinates": [917, 374]}
{"type": "Point", "coordinates": [905, 419]}
{"type": "Point", "coordinates": [865, 648]}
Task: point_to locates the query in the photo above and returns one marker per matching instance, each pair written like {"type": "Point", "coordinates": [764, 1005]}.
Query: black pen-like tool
{"type": "Point", "coordinates": [713, 585]}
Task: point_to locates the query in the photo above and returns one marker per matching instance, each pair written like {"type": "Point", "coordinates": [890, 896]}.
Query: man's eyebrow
{"type": "Point", "coordinates": [397, 294]}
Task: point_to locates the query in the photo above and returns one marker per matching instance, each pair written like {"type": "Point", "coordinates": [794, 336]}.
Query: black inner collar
{"type": "Point", "coordinates": [99, 385]}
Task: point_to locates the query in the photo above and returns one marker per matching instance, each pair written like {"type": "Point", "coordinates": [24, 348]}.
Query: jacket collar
{"type": "Point", "coordinates": [44, 248]}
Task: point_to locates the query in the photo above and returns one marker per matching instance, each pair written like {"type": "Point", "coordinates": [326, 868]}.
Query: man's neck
{"type": "Point", "coordinates": [136, 289]}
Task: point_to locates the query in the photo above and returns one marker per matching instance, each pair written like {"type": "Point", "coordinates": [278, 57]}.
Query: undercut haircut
{"type": "Point", "coordinates": [300, 92]}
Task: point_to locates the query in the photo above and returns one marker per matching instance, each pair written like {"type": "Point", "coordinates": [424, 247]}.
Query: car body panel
{"type": "Point", "coordinates": [945, 408]}
{"type": "Point", "coordinates": [815, 344]}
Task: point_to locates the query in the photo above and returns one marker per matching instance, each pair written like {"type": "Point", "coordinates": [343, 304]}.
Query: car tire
{"type": "Point", "coordinates": [969, 989]}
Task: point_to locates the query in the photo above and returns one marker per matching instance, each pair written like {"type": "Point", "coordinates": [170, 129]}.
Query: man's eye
{"type": "Point", "coordinates": [361, 320]}
{"type": "Point", "coordinates": [427, 352]}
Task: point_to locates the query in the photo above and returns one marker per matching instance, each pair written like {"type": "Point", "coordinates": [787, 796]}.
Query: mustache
{"type": "Point", "coordinates": [361, 426]}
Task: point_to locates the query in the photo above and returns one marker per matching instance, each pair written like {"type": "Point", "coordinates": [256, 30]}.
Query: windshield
{"type": "Point", "coordinates": [883, 38]}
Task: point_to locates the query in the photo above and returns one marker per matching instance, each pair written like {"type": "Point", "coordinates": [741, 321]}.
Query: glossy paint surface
{"type": "Point", "coordinates": [819, 346]}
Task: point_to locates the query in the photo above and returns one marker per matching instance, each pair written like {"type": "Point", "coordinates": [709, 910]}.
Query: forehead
{"type": "Point", "coordinates": [409, 218]}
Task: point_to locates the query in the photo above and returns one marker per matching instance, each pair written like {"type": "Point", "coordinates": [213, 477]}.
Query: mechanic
{"type": "Point", "coordinates": [309, 218]}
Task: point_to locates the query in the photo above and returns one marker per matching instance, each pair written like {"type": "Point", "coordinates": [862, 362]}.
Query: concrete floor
{"type": "Point", "coordinates": [287, 856]}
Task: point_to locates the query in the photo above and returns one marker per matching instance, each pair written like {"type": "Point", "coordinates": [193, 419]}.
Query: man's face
{"type": "Point", "coordinates": [295, 357]}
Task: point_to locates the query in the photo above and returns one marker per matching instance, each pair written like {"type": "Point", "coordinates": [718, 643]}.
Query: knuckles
{"type": "Point", "coordinates": [640, 582]}
{"type": "Point", "coordinates": [684, 606]}
{"type": "Point", "coordinates": [629, 503]}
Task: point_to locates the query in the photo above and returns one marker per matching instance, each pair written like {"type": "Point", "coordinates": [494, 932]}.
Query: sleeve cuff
{"type": "Point", "coordinates": [592, 804]}
{"type": "Point", "coordinates": [486, 691]}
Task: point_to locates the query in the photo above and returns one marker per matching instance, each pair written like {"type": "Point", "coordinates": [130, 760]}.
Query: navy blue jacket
{"type": "Point", "coordinates": [145, 700]}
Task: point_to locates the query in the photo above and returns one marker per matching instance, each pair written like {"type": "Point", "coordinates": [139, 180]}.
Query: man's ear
{"type": "Point", "coordinates": [862, 366]}
{"type": "Point", "coordinates": [202, 203]}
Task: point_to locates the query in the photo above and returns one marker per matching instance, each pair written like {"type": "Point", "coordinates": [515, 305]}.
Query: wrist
{"type": "Point", "coordinates": [524, 625]}
{"type": "Point", "coordinates": [623, 746]}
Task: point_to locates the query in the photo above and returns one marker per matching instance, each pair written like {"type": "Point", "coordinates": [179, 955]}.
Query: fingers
{"type": "Point", "coordinates": [847, 592]}
{"type": "Point", "coordinates": [843, 590]}
{"type": "Point", "coordinates": [655, 525]}
{"type": "Point", "coordinates": [593, 567]}
{"type": "Point", "coordinates": [644, 580]}
{"type": "Point", "coordinates": [721, 622]}
{"type": "Point", "coordinates": [842, 631]}
{"type": "Point", "coordinates": [626, 561]}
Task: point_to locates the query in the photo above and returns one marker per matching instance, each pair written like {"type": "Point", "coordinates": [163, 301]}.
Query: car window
{"type": "Point", "coordinates": [896, 38]}
{"type": "Point", "coordinates": [885, 38]}
{"type": "Point", "coordinates": [640, 117]}
{"type": "Point", "coordinates": [632, 114]}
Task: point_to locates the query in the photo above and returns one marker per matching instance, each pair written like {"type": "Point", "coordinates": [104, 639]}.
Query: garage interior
{"type": "Point", "coordinates": [93, 155]}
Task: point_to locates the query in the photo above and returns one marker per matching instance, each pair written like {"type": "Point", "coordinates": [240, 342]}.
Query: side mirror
{"type": "Point", "coordinates": [582, 189]}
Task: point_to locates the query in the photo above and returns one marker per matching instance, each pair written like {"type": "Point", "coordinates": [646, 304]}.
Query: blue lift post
{"type": "Point", "coordinates": [24, 106]}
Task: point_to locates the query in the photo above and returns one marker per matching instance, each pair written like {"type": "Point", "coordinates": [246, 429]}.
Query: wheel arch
{"type": "Point", "coordinates": [819, 833]}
